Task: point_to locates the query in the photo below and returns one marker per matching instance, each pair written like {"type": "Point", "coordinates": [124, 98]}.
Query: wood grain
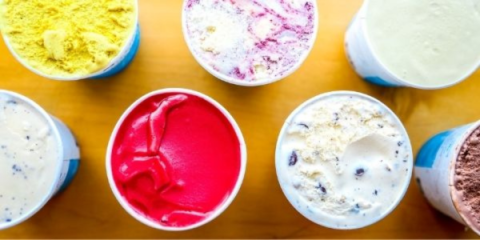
{"type": "Point", "coordinates": [87, 209]}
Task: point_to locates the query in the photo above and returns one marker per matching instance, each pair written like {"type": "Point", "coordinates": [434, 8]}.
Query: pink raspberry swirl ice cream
{"type": "Point", "coordinates": [252, 42]}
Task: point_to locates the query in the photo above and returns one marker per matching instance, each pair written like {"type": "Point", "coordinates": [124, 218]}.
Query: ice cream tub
{"type": "Point", "coordinates": [125, 57]}
{"type": "Point", "coordinates": [250, 43]}
{"type": "Point", "coordinates": [39, 158]}
{"type": "Point", "coordinates": [383, 48]}
{"type": "Point", "coordinates": [176, 159]}
{"type": "Point", "coordinates": [343, 160]}
{"type": "Point", "coordinates": [72, 49]}
{"type": "Point", "coordinates": [443, 173]}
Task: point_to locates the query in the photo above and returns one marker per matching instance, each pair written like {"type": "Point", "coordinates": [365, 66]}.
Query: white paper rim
{"type": "Point", "coordinates": [298, 110]}
{"type": "Point", "coordinates": [221, 208]}
{"type": "Point", "coordinates": [243, 83]}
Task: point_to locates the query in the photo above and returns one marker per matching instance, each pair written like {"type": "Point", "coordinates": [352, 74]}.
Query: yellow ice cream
{"type": "Point", "coordinates": [67, 38]}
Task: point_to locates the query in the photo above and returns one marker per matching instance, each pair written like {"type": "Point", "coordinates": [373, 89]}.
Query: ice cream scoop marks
{"type": "Point", "coordinates": [251, 40]}
{"type": "Point", "coordinates": [343, 160]}
{"type": "Point", "coordinates": [274, 41]}
{"type": "Point", "coordinates": [154, 163]}
{"type": "Point", "coordinates": [279, 25]}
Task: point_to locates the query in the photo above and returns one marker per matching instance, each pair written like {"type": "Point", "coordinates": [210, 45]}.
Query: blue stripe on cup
{"type": "Point", "coordinates": [123, 64]}
{"type": "Point", "coordinates": [428, 153]}
{"type": "Point", "coordinates": [72, 170]}
{"type": "Point", "coordinates": [381, 82]}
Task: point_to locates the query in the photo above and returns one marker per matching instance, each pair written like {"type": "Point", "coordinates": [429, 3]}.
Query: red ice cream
{"type": "Point", "coordinates": [176, 158]}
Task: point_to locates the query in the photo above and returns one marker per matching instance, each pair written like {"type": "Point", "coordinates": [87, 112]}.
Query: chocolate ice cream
{"type": "Point", "coordinates": [467, 180]}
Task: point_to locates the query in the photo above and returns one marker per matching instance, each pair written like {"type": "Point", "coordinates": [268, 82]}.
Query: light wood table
{"type": "Point", "coordinates": [88, 209]}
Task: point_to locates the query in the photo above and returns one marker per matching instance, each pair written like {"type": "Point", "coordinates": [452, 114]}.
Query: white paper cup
{"type": "Point", "coordinates": [435, 170]}
{"type": "Point", "coordinates": [220, 209]}
{"type": "Point", "coordinates": [366, 63]}
{"type": "Point", "coordinates": [300, 205]}
{"type": "Point", "coordinates": [67, 163]}
{"type": "Point", "coordinates": [116, 65]}
{"type": "Point", "coordinates": [238, 82]}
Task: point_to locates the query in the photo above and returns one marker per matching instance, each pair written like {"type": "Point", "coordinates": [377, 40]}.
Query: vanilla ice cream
{"type": "Point", "coordinates": [344, 160]}
{"type": "Point", "coordinates": [428, 43]}
{"type": "Point", "coordinates": [29, 159]}
{"type": "Point", "coordinates": [250, 41]}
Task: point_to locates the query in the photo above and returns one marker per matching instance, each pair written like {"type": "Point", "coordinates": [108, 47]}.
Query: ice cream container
{"type": "Point", "coordinates": [433, 57]}
{"type": "Point", "coordinates": [343, 160]}
{"type": "Point", "coordinates": [115, 65]}
{"type": "Point", "coordinates": [436, 173]}
{"type": "Point", "coordinates": [125, 57]}
{"type": "Point", "coordinates": [250, 43]}
{"type": "Point", "coordinates": [39, 158]}
{"type": "Point", "coordinates": [176, 159]}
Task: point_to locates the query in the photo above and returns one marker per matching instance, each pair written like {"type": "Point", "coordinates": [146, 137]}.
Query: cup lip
{"type": "Point", "coordinates": [452, 167]}
{"type": "Point", "coordinates": [256, 83]}
{"type": "Point", "coordinates": [373, 100]}
{"type": "Point", "coordinates": [401, 81]}
{"type": "Point", "coordinates": [120, 54]}
{"type": "Point", "coordinates": [59, 160]}
{"type": "Point", "coordinates": [220, 208]}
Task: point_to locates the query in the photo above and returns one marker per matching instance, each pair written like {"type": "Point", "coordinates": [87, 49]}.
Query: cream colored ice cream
{"type": "Point", "coordinates": [344, 161]}
{"type": "Point", "coordinates": [67, 38]}
{"type": "Point", "coordinates": [426, 42]}
{"type": "Point", "coordinates": [29, 159]}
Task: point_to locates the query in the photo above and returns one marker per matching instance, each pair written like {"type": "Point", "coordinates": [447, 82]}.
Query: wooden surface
{"type": "Point", "coordinates": [88, 209]}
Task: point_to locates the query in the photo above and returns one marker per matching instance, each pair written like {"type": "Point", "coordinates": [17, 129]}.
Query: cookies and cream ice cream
{"type": "Point", "coordinates": [67, 38]}
{"type": "Point", "coordinates": [29, 159]}
{"type": "Point", "coordinates": [343, 160]}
